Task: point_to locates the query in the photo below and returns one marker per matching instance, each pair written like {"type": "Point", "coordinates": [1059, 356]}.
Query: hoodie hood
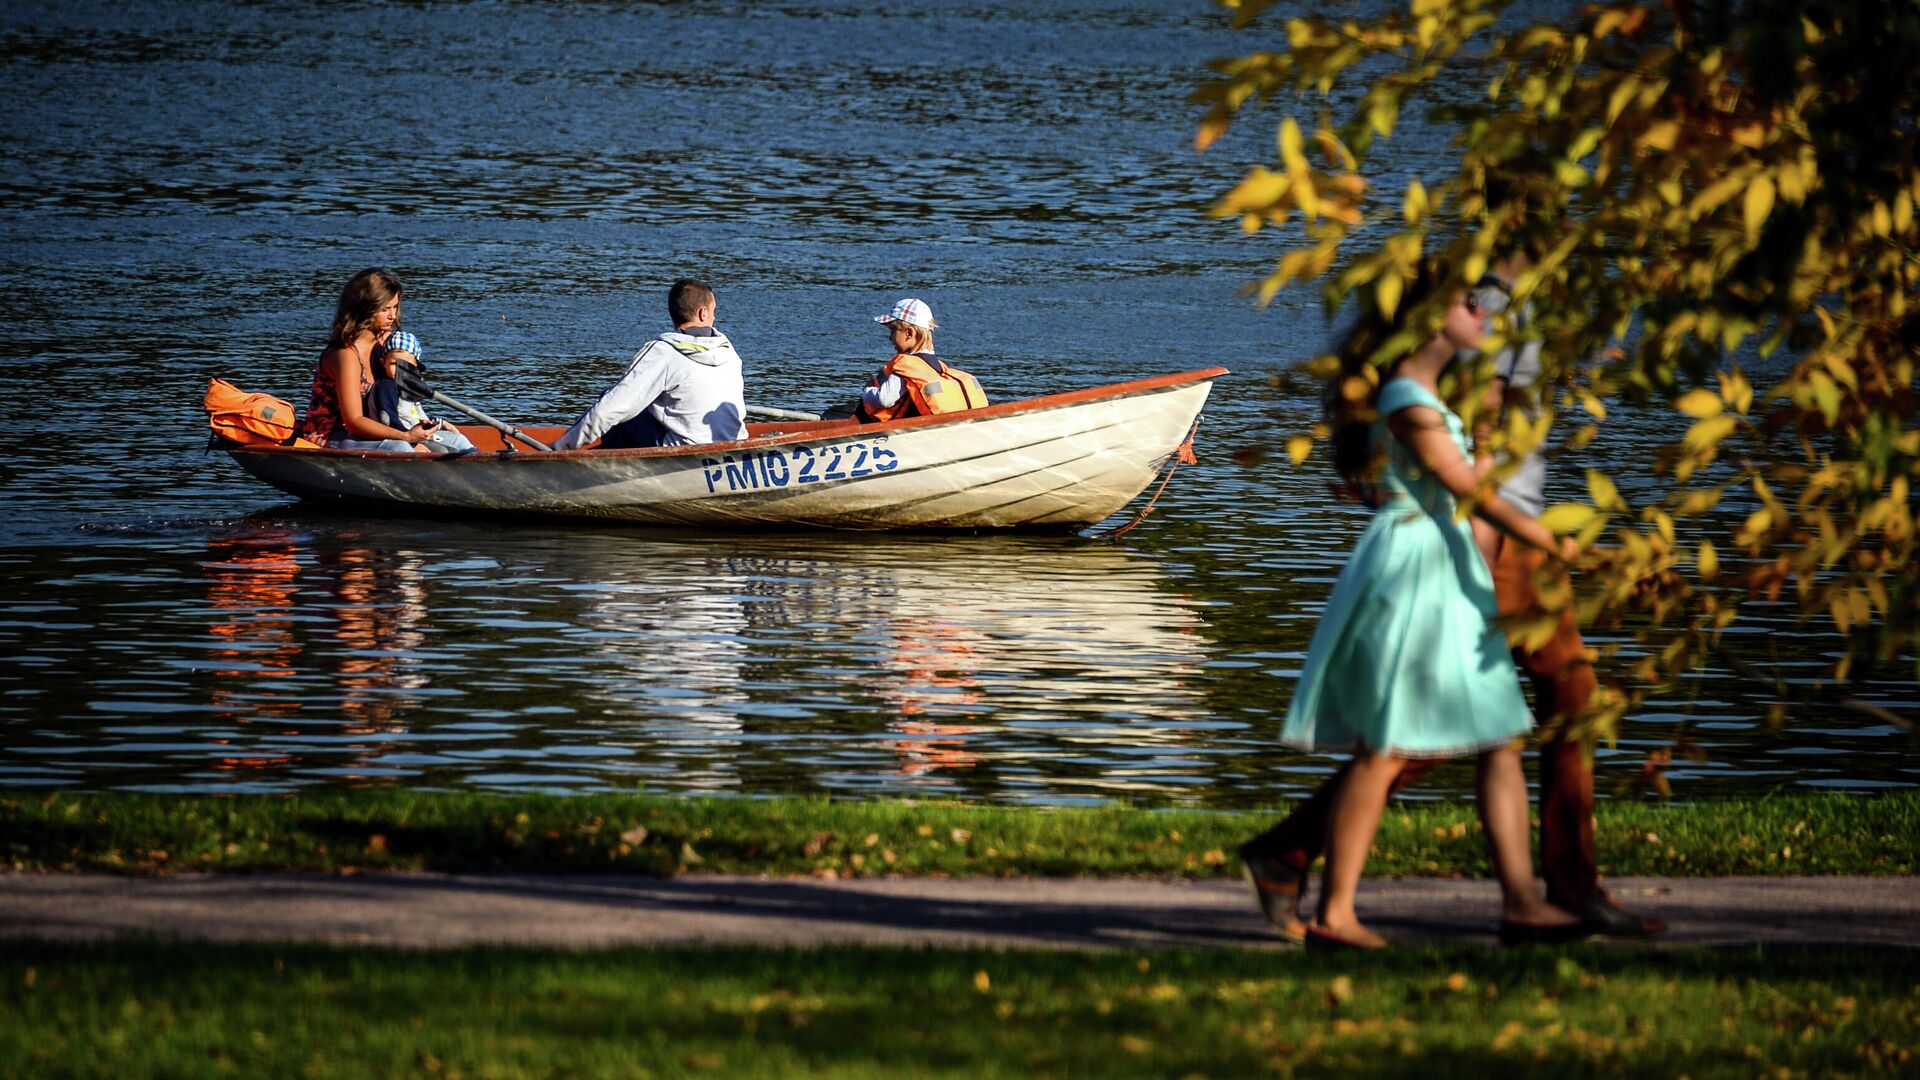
{"type": "Point", "coordinates": [712, 349]}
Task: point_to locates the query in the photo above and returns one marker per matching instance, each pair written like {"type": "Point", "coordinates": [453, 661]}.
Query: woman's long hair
{"type": "Point", "coordinates": [1366, 356]}
{"type": "Point", "coordinates": [366, 293]}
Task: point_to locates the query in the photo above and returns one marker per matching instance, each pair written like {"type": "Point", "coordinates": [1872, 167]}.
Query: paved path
{"type": "Point", "coordinates": [457, 909]}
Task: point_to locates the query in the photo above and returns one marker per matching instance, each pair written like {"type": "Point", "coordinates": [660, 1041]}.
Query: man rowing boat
{"type": "Point", "coordinates": [682, 388]}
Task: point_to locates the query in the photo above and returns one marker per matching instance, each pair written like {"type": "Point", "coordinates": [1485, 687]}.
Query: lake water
{"type": "Point", "coordinates": [187, 186]}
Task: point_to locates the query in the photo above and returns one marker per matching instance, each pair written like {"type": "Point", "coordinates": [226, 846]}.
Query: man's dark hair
{"type": "Point", "coordinates": [686, 298]}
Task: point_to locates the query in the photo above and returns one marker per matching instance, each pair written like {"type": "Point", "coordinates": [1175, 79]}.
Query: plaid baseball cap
{"type": "Point", "coordinates": [401, 341]}
{"type": "Point", "coordinates": [912, 312]}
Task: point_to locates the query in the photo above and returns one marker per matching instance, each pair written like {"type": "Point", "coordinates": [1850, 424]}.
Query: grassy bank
{"type": "Point", "coordinates": [628, 834]}
{"type": "Point", "coordinates": [158, 1009]}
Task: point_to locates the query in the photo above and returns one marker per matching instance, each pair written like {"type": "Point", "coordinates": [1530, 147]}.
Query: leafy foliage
{"type": "Point", "coordinates": [1720, 199]}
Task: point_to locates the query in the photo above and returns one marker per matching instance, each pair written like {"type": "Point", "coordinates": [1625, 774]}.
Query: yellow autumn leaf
{"type": "Point", "coordinates": [1623, 93]}
{"type": "Point", "coordinates": [1533, 635]}
{"type": "Point", "coordinates": [1305, 196]}
{"type": "Point", "coordinates": [1298, 447]}
{"type": "Point", "coordinates": [1567, 517]}
{"type": "Point", "coordinates": [1336, 152]}
{"type": "Point", "coordinates": [1709, 561]}
{"type": "Point", "coordinates": [1386, 292]}
{"type": "Point", "coordinates": [1212, 126]}
{"type": "Point", "coordinates": [1659, 136]}
{"type": "Point", "coordinates": [1260, 190]}
{"type": "Point", "coordinates": [1698, 502]}
{"type": "Point", "coordinates": [1605, 494]}
{"type": "Point", "coordinates": [1735, 390]}
{"type": "Point", "coordinates": [1756, 205]}
{"type": "Point", "coordinates": [1826, 395]}
{"type": "Point", "coordinates": [1698, 403]}
{"type": "Point", "coordinates": [1707, 433]}
{"type": "Point", "coordinates": [1662, 523]}
{"type": "Point", "coordinates": [1713, 195]}
{"type": "Point", "coordinates": [1381, 113]}
{"type": "Point", "coordinates": [1415, 207]}
{"type": "Point", "coordinates": [1292, 146]}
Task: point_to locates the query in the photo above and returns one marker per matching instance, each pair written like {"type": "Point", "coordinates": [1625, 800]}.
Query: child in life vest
{"type": "Point", "coordinates": [388, 405]}
{"type": "Point", "coordinates": [916, 382]}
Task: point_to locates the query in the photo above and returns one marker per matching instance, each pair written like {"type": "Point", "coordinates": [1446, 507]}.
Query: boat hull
{"type": "Point", "coordinates": [1064, 461]}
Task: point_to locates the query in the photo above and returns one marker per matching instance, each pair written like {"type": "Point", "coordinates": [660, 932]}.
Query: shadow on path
{"type": "Point", "coordinates": [587, 910]}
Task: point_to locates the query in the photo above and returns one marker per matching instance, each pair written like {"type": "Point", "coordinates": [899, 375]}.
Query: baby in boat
{"type": "Point", "coordinates": [388, 405]}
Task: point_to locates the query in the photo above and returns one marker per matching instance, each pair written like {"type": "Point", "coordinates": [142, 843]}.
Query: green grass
{"type": "Point", "coordinates": [1830, 834]}
{"type": "Point", "coordinates": [134, 1008]}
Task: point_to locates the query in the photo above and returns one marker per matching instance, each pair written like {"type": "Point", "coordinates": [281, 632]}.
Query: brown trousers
{"type": "Point", "coordinates": [1563, 683]}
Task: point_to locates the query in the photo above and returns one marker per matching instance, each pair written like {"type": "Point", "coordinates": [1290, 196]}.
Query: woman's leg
{"type": "Point", "coordinates": [1356, 815]}
{"type": "Point", "coordinates": [395, 446]}
{"type": "Point", "coordinates": [1503, 814]}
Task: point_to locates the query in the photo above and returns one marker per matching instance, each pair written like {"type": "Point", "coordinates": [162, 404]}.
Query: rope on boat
{"type": "Point", "coordinates": [1182, 454]}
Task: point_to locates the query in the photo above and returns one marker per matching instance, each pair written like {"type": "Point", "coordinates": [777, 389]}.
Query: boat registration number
{"type": "Point", "coordinates": [756, 470]}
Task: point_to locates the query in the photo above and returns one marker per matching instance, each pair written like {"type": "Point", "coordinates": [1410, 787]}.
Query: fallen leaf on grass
{"type": "Point", "coordinates": [1340, 990]}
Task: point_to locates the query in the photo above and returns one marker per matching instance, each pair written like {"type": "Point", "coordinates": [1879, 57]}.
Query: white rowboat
{"type": "Point", "coordinates": [1062, 461]}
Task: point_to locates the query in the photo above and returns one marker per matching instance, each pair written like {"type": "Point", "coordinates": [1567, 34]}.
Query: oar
{"type": "Point", "coordinates": [780, 414]}
{"type": "Point", "coordinates": [417, 388]}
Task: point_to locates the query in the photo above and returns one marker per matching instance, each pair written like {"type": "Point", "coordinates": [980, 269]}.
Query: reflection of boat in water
{"type": "Point", "coordinates": [1061, 461]}
{"type": "Point", "coordinates": [996, 666]}
{"type": "Point", "coordinates": [985, 662]}
{"type": "Point", "coordinates": [370, 616]}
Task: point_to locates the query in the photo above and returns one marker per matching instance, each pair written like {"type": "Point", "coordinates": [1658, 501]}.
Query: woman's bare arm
{"type": "Point", "coordinates": [345, 366]}
{"type": "Point", "coordinates": [1421, 430]}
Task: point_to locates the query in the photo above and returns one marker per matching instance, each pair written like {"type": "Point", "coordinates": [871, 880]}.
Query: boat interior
{"type": "Point", "coordinates": [488, 440]}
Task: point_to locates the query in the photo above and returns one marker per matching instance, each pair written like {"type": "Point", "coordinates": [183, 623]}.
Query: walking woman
{"type": "Point", "coordinates": [1406, 661]}
{"type": "Point", "coordinates": [368, 311]}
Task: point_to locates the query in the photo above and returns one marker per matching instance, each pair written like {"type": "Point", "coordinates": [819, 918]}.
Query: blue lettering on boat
{"type": "Point", "coordinates": [758, 469]}
{"type": "Point", "coordinates": [738, 478]}
{"type": "Point", "coordinates": [774, 467]}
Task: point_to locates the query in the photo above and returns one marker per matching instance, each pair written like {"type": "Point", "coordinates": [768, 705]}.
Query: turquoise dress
{"type": "Point", "coordinates": [1406, 657]}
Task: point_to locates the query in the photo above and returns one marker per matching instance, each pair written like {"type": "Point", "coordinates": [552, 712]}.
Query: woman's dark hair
{"type": "Point", "coordinates": [366, 293]}
{"type": "Point", "coordinates": [1366, 355]}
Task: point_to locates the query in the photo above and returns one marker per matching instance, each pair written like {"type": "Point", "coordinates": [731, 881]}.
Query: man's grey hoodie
{"type": "Point", "coordinates": [690, 384]}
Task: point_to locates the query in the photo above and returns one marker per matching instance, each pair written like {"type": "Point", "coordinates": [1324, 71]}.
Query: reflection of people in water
{"type": "Point", "coordinates": [380, 605]}
{"type": "Point", "coordinates": [250, 587]}
{"type": "Point", "coordinates": [932, 677]}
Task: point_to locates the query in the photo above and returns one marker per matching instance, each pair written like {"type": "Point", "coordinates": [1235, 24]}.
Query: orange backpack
{"type": "Point", "coordinates": [256, 419]}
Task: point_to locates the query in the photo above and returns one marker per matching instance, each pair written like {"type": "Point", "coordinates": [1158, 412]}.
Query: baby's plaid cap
{"type": "Point", "coordinates": [401, 341]}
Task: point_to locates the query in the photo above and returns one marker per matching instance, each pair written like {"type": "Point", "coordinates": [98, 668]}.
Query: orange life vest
{"type": "Point", "coordinates": [238, 416]}
{"type": "Point", "coordinates": [933, 386]}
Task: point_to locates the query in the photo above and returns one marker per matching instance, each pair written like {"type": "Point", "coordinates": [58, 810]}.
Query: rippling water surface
{"type": "Point", "coordinates": [187, 185]}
